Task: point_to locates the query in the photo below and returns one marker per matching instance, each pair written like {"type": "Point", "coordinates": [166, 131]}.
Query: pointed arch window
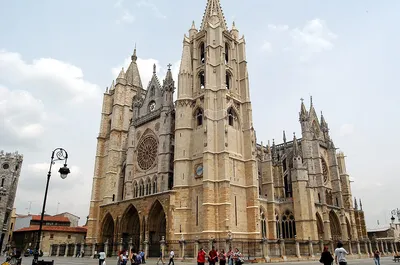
{"type": "Point", "coordinates": [202, 80]}
{"type": "Point", "coordinates": [199, 117]}
{"type": "Point", "coordinates": [288, 186]}
{"type": "Point", "coordinates": [152, 91]}
{"type": "Point", "coordinates": [202, 53]}
{"type": "Point", "coordinates": [2, 182]}
{"type": "Point", "coordinates": [228, 80]}
{"type": "Point", "coordinates": [278, 226]}
{"type": "Point", "coordinates": [135, 190]}
{"type": "Point", "coordinates": [263, 225]}
{"type": "Point", "coordinates": [155, 185]}
{"type": "Point", "coordinates": [288, 225]}
{"type": "Point", "coordinates": [231, 117]}
{"type": "Point", "coordinates": [226, 53]}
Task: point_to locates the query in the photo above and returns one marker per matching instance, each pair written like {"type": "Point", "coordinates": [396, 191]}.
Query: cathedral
{"type": "Point", "coordinates": [188, 174]}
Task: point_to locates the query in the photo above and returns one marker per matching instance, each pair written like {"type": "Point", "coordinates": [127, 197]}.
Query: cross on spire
{"type": "Point", "coordinates": [169, 66]}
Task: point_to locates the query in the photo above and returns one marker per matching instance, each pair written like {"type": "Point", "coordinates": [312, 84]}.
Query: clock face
{"type": "Point", "coordinates": [199, 170]}
{"type": "Point", "coordinates": [152, 106]}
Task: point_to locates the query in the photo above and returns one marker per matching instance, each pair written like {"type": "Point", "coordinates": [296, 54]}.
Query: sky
{"type": "Point", "coordinates": [58, 57]}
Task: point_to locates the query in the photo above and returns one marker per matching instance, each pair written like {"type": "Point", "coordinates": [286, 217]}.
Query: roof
{"type": "Point", "coordinates": [67, 229]}
{"type": "Point", "coordinates": [62, 214]}
{"type": "Point", "coordinates": [379, 228]}
{"type": "Point", "coordinates": [61, 219]}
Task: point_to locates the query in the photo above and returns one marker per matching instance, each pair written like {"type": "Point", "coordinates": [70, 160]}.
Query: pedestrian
{"type": "Point", "coordinates": [132, 256]}
{"type": "Point", "coordinates": [161, 258]}
{"type": "Point", "coordinates": [237, 257]}
{"type": "Point", "coordinates": [222, 257]}
{"type": "Point", "coordinates": [201, 257]}
{"type": "Point", "coordinates": [102, 257]}
{"type": "Point", "coordinates": [212, 256]}
{"type": "Point", "coordinates": [377, 257]}
{"type": "Point", "coordinates": [229, 255]}
{"type": "Point", "coordinates": [340, 254]}
{"type": "Point", "coordinates": [171, 257]}
{"type": "Point", "coordinates": [142, 256]}
{"type": "Point", "coordinates": [326, 257]}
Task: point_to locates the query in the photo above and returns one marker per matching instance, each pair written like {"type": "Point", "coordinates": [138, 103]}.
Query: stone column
{"type": "Point", "coordinates": [58, 250]}
{"type": "Point", "coordinates": [321, 245]}
{"type": "Point", "coordinates": [50, 250]}
{"type": "Point", "coordinates": [75, 249]}
{"type": "Point", "coordinates": [265, 249]}
{"type": "Point", "coordinates": [106, 247]}
{"type": "Point", "coordinates": [350, 248]}
{"type": "Point", "coordinates": [196, 248]}
{"type": "Point", "coordinates": [332, 246]}
{"type": "Point", "coordinates": [371, 252]}
{"type": "Point", "coordinates": [395, 247]}
{"type": "Point", "coordinates": [383, 248]}
{"type": "Point", "coordinates": [121, 244]}
{"type": "Point", "coordinates": [358, 248]}
{"type": "Point", "coordinates": [392, 246]}
{"type": "Point", "coordinates": [162, 243]}
{"type": "Point", "coordinates": [366, 247]}
{"type": "Point", "coordinates": [376, 246]}
{"type": "Point", "coordinates": [298, 254]}
{"type": "Point", "coordinates": [146, 248]}
{"type": "Point", "coordinates": [66, 250]}
{"type": "Point", "coordinates": [130, 245]}
{"type": "Point", "coordinates": [182, 248]}
{"type": "Point", "coordinates": [282, 249]}
{"type": "Point", "coordinates": [386, 247]}
{"type": "Point", "coordinates": [310, 248]}
{"type": "Point", "coordinates": [93, 249]}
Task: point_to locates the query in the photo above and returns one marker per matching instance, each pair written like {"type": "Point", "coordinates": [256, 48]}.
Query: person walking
{"type": "Point", "coordinates": [201, 257]}
{"type": "Point", "coordinates": [102, 257]}
{"type": "Point", "coordinates": [161, 258]}
{"type": "Point", "coordinates": [171, 257]}
{"type": "Point", "coordinates": [377, 257]}
{"type": "Point", "coordinates": [340, 254]}
{"type": "Point", "coordinates": [326, 257]}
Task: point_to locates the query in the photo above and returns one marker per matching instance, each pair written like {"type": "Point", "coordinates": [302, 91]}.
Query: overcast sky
{"type": "Point", "coordinates": [57, 57]}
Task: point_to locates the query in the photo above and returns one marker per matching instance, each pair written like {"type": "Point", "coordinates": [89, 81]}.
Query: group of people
{"type": "Point", "coordinates": [231, 257]}
{"type": "Point", "coordinates": [340, 256]}
{"type": "Point", "coordinates": [124, 257]}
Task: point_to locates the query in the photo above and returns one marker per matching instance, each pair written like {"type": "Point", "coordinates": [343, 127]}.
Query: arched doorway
{"type": "Point", "coordinates": [320, 226]}
{"type": "Point", "coordinates": [130, 228]}
{"type": "Point", "coordinates": [157, 227]}
{"type": "Point", "coordinates": [335, 226]}
{"type": "Point", "coordinates": [108, 232]}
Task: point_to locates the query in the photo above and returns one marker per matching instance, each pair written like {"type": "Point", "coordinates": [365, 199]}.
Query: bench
{"type": "Point", "coordinates": [396, 258]}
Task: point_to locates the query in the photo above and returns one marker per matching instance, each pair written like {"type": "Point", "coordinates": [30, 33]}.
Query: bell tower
{"type": "Point", "coordinates": [215, 164]}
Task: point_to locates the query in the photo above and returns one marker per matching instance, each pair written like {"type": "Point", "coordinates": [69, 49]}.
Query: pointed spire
{"type": "Point", "coordinates": [284, 136]}
{"type": "Point", "coordinates": [154, 69]}
{"type": "Point", "coordinates": [361, 205]}
{"type": "Point", "coordinates": [106, 89]}
{"type": "Point", "coordinates": [303, 111]}
{"type": "Point", "coordinates": [121, 74]}
{"type": "Point", "coordinates": [186, 61]}
{"type": "Point", "coordinates": [213, 14]}
{"type": "Point", "coordinates": [355, 203]}
{"type": "Point", "coordinates": [262, 151]}
{"type": "Point", "coordinates": [296, 152]}
{"type": "Point", "coordinates": [269, 148]}
{"type": "Point", "coordinates": [112, 87]}
{"type": "Point", "coordinates": [324, 125]}
{"type": "Point", "coordinates": [132, 74]}
{"type": "Point", "coordinates": [234, 26]}
{"type": "Point", "coordinates": [193, 25]}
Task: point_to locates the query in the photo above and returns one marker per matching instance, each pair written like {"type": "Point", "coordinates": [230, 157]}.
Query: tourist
{"type": "Point", "coordinates": [237, 257]}
{"type": "Point", "coordinates": [377, 257]}
{"type": "Point", "coordinates": [212, 256]}
{"type": "Point", "coordinates": [229, 255]}
{"type": "Point", "coordinates": [171, 257]}
{"type": "Point", "coordinates": [132, 257]}
{"type": "Point", "coordinates": [222, 257]}
{"type": "Point", "coordinates": [142, 256]}
{"type": "Point", "coordinates": [340, 254]}
{"type": "Point", "coordinates": [102, 257]}
{"type": "Point", "coordinates": [161, 258]}
{"type": "Point", "coordinates": [326, 257]}
{"type": "Point", "coordinates": [201, 257]}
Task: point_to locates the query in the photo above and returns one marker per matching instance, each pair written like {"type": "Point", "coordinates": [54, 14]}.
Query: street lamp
{"type": "Point", "coordinates": [59, 154]}
{"type": "Point", "coordinates": [396, 212]}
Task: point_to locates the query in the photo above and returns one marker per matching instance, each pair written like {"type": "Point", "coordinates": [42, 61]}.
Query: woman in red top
{"type": "Point", "coordinates": [201, 257]}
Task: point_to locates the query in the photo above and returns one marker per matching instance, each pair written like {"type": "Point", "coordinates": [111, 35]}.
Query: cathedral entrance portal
{"type": "Point", "coordinates": [157, 228]}
{"type": "Point", "coordinates": [108, 232]}
{"type": "Point", "coordinates": [130, 228]}
{"type": "Point", "coordinates": [335, 226]}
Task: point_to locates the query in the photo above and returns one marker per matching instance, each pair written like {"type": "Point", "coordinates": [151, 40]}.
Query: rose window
{"type": "Point", "coordinates": [147, 152]}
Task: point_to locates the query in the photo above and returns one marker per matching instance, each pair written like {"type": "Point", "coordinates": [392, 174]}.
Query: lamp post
{"type": "Point", "coordinates": [59, 154]}
{"type": "Point", "coordinates": [396, 212]}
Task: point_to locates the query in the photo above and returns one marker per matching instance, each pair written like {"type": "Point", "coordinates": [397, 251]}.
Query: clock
{"type": "Point", "coordinates": [199, 170]}
{"type": "Point", "coordinates": [152, 106]}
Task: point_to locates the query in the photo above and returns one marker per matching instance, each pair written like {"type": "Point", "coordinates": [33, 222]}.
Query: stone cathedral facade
{"type": "Point", "coordinates": [184, 174]}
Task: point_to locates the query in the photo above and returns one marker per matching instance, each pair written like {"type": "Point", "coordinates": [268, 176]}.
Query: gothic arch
{"type": "Point", "coordinates": [147, 132]}
{"type": "Point", "coordinates": [320, 226]}
{"type": "Point", "coordinates": [135, 189]}
{"type": "Point", "coordinates": [157, 227]}
{"type": "Point", "coordinates": [107, 229]}
{"type": "Point", "coordinates": [264, 222]}
{"type": "Point", "coordinates": [202, 52]}
{"type": "Point", "coordinates": [288, 225]}
{"type": "Point", "coordinates": [336, 231]}
{"type": "Point", "coordinates": [130, 227]}
{"type": "Point", "coordinates": [233, 117]}
{"type": "Point", "coordinates": [201, 77]}
{"type": "Point", "coordinates": [198, 114]}
{"type": "Point", "coordinates": [148, 186]}
{"type": "Point", "coordinates": [154, 184]}
{"type": "Point", "coordinates": [141, 188]}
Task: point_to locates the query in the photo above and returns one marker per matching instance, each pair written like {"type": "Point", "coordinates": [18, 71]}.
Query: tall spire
{"type": "Point", "coordinates": [355, 203]}
{"type": "Point", "coordinates": [303, 111]}
{"type": "Point", "coordinates": [324, 125]}
{"type": "Point", "coordinates": [132, 74]}
{"type": "Point", "coordinates": [295, 146]}
{"type": "Point", "coordinates": [213, 15]}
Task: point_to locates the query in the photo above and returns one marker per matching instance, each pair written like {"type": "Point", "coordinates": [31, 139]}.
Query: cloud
{"type": "Point", "coordinates": [145, 67]}
{"type": "Point", "coordinates": [304, 42]}
{"type": "Point", "coordinates": [126, 18]}
{"type": "Point", "coordinates": [267, 47]}
{"type": "Point", "coordinates": [156, 11]}
{"type": "Point", "coordinates": [346, 129]}
{"type": "Point", "coordinates": [48, 76]}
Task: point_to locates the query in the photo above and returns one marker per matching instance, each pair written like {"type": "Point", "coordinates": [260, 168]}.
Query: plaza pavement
{"type": "Point", "coordinates": [113, 261]}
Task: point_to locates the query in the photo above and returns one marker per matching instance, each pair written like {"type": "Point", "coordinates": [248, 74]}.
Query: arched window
{"type": "Point", "coordinates": [288, 225]}
{"type": "Point", "coordinates": [155, 185]}
{"type": "Point", "coordinates": [263, 225]}
{"type": "Point", "coordinates": [152, 91]}
{"type": "Point", "coordinates": [199, 117]}
{"type": "Point", "coordinates": [202, 80]}
{"type": "Point", "coordinates": [231, 117]}
{"type": "Point", "coordinates": [288, 186]}
{"type": "Point", "coordinates": [202, 53]}
{"type": "Point", "coordinates": [135, 190]}
{"type": "Point", "coordinates": [278, 226]}
{"type": "Point", "coordinates": [319, 198]}
{"type": "Point", "coordinates": [226, 53]}
{"type": "Point", "coordinates": [228, 80]}
{"type": "Point", "coordinates": [2, 182]}
{"type": "Point", "coordinates": [148, 187]}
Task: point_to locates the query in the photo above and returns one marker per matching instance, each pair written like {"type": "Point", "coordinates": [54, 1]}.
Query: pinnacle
{"type": "Point", "coordinates": [213, 11]}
